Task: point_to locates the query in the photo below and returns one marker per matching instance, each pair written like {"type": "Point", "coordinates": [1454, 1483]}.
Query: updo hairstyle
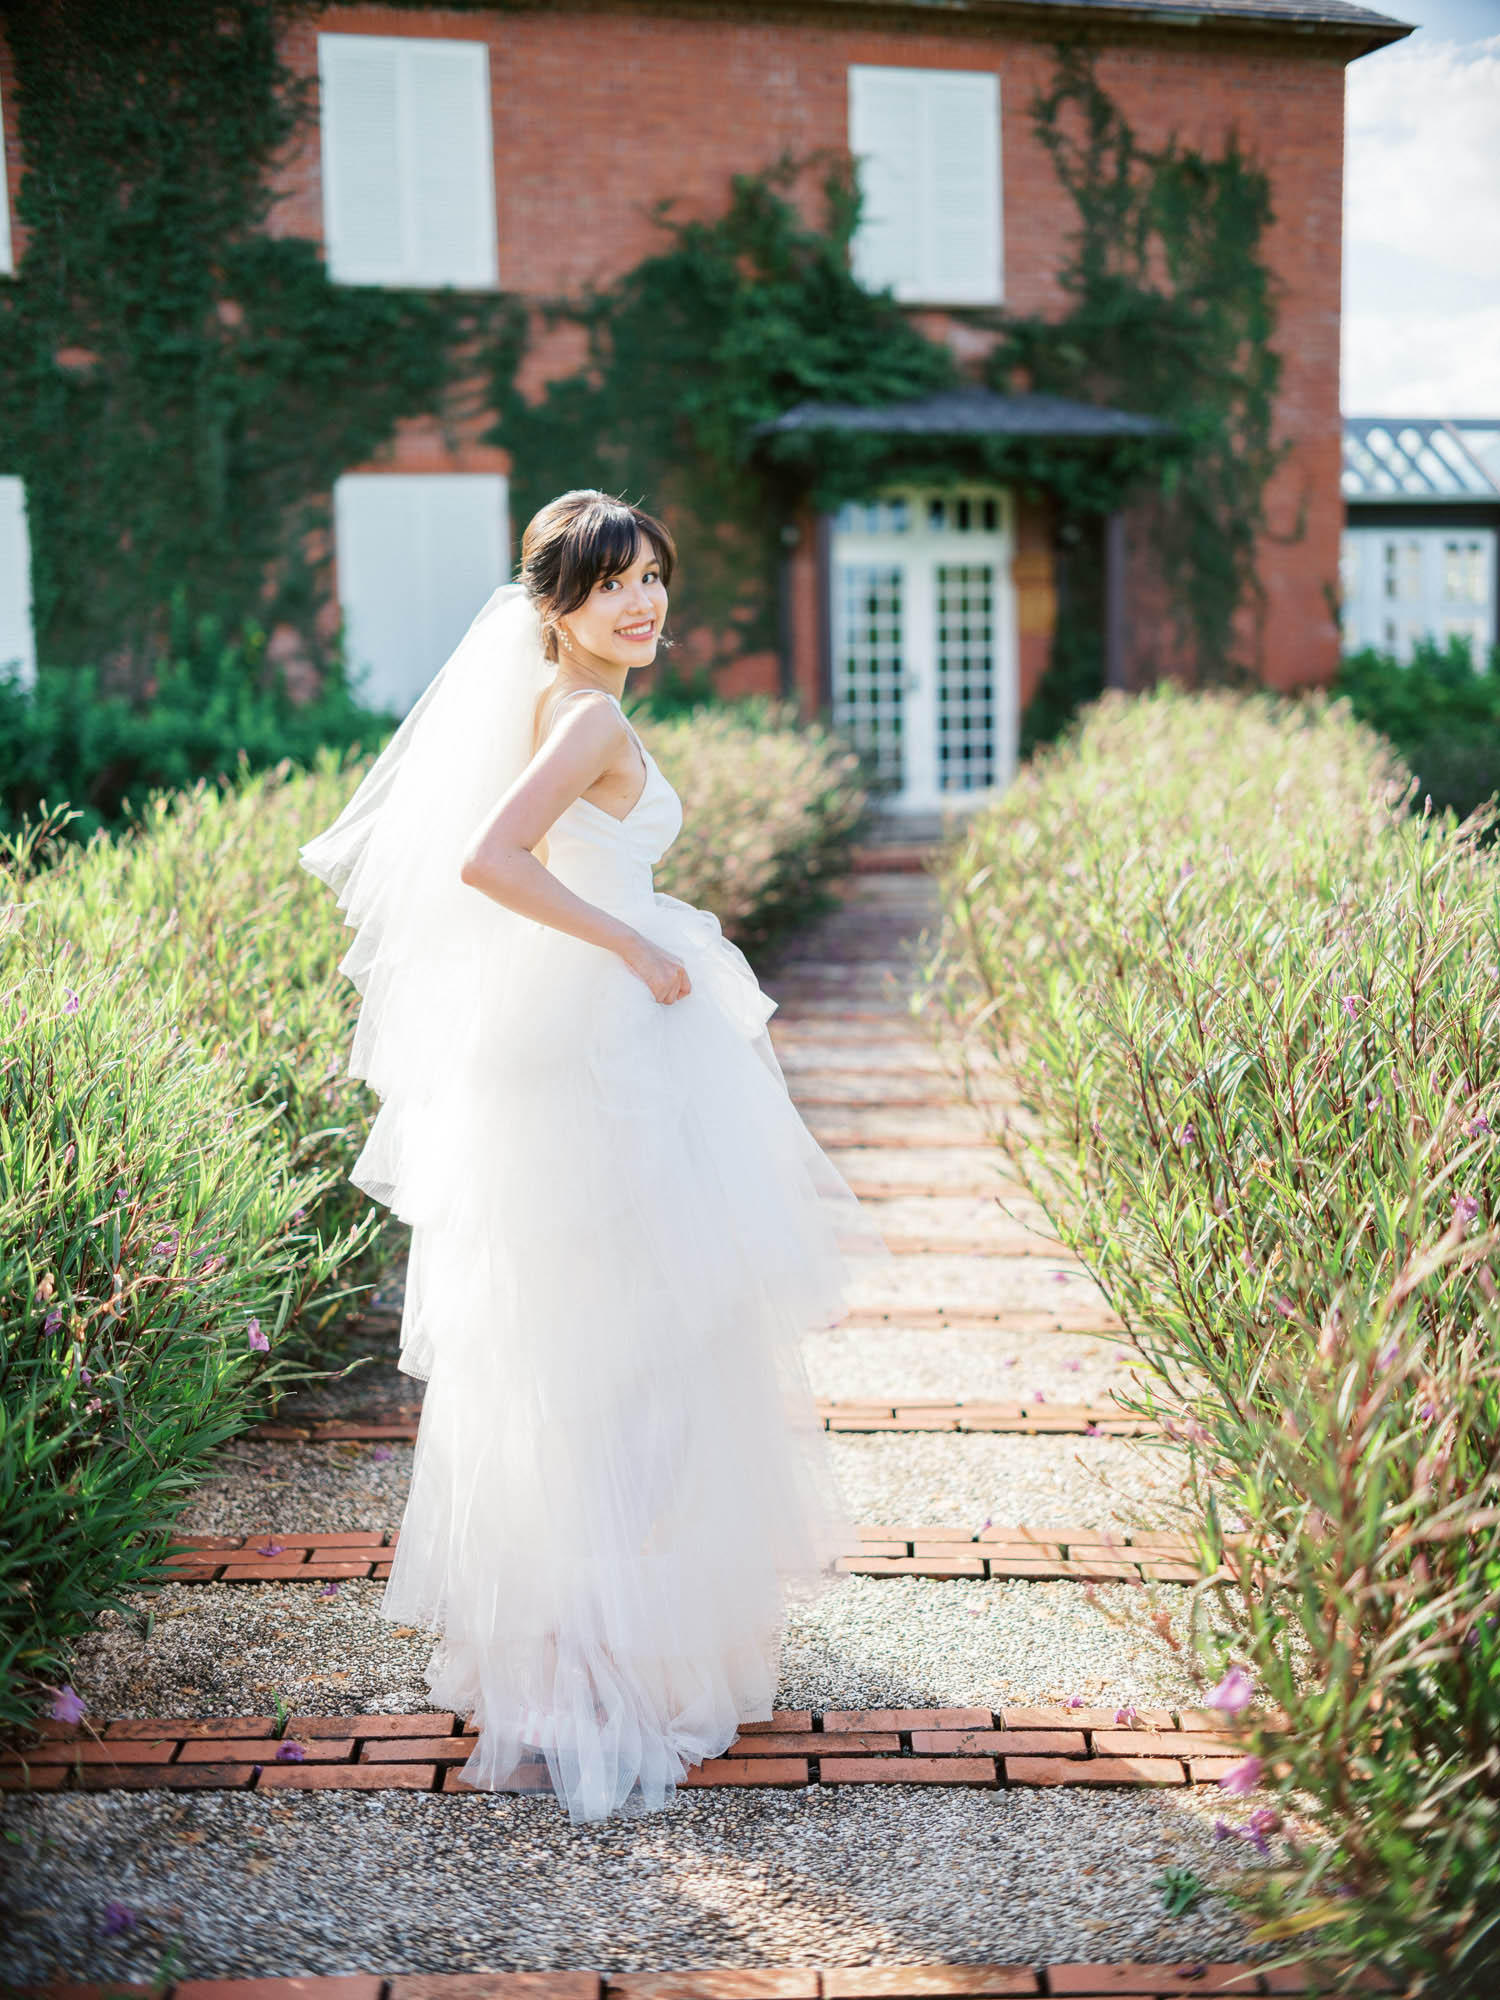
{"type": "Point", "coordinates": [577, 540]}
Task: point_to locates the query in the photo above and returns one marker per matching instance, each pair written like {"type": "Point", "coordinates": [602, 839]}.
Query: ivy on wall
{"type": "Point", "coordinates": [178, 388]}
{"type": "Point", "coordinates": [1171, 315]}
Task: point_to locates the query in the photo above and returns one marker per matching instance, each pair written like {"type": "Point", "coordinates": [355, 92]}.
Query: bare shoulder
{"type": "Point", "coordinates": [588, 715]}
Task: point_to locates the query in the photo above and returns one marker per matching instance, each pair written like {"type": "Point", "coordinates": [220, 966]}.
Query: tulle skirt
{"type": "Point", "coordinates": [620, 1479]}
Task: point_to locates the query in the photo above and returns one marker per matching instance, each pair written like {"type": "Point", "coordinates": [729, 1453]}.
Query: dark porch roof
{"type": "Point", "coordinates": [961, 413]}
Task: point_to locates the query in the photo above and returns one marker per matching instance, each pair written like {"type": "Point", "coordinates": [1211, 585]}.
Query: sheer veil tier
{"type": "Point", "coordinates": [621, 1230]}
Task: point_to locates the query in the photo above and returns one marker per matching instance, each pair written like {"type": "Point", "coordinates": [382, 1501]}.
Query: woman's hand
{"type": "Point", "coordinates": [665, 975]}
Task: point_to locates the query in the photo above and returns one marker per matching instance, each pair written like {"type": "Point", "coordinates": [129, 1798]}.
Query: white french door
{"type": "Point", "coordinates": [924, 642]}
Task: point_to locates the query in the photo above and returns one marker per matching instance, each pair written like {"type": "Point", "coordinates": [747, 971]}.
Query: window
{"type": "Point", "coordinates": [6, 262]}
{"type": "Point", "coordinates": [408, 161]}
{"type": "Point", "coordinates": [1466, 571]}
{"type": "Point", "coordinates": [928, 146]}
{"type": "Point", "coordinates": [17, 645]}
{"type": "Point", "coordinates": [1402, 587]}
{"type": "Point", "coordinates": [418, 554]}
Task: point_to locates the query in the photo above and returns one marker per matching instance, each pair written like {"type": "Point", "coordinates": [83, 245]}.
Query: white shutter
{"type": "Point", "coordinates": [886, 125]}
{"type": "Point", "coordinates": [17, 642]}
{"type": "Point", "coordinates": [963, 188]}
{"type": "Point", "coordinates": [363, 229]}
{"type": "Point", "coordinates": [6, 263]}
{"type": "Point", "coordinates": [417, 555]}
{"type": "Point", "coordinates": [408, 161]}
{"type": "Point", "coordinates": [450, 163]}
{"type": "Point", "coordinates": [928, 145]}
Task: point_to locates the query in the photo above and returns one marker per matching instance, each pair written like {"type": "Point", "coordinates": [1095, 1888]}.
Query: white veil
{"type": "Point", "coordinates": [430, 953]}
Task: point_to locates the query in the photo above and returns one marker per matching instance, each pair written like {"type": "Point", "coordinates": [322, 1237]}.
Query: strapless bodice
{"type": "Point", "coordinates": [608, 860]}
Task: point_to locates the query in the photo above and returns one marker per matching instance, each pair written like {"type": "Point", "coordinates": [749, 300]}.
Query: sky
{"type": "Point", "coordinates": [1422, 216]}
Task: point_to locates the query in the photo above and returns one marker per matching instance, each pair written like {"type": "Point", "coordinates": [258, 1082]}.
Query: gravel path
{"type": "Point", "coordinates": [339, 1883]}
{"type": "Point", "coordinates": [887, 1642]}
{"type": "Point", "coordinates": [342, 1882]}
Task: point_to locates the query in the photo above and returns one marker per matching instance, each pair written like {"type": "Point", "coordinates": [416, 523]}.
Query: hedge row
{"type": "Point", "coordinates": [177, 1233]}
{"type": "Point", "coordinates": [1253, 1008]}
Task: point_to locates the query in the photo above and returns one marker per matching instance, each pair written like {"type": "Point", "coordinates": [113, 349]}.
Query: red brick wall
{"type": "Point", "coordinates": [598, 110]}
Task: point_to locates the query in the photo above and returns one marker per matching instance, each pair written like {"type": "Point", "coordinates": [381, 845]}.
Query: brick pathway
{"type": "Point", "coordinates": [880, 1100]}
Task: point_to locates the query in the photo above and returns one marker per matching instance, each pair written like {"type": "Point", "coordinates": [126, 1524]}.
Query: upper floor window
{"type": "Point", "coordinates": [928, 146]}
{"type": "Point", "coordinates": [408, 161]}
{"type": "Point", "coordinates": [6, 263]}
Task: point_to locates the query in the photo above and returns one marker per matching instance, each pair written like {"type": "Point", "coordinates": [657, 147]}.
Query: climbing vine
{"type": "Point", "coordinates": [178, 387]}
{"type": "Point", "coordinates": [1171, 315]}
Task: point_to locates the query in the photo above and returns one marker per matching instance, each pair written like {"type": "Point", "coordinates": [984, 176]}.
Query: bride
{"type": "Point", "coordinates": [620, 1224]}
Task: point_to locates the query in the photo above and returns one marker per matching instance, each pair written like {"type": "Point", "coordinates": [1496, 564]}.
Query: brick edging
{"type": "Point", "coordinates": [849, 1982]}
{"type": "Point", "coordinates": [867, 1414]}
{"type": "Point", "coordinates": [796, 1749]}
{"type": "Point", "coordinates": [993, 1554]}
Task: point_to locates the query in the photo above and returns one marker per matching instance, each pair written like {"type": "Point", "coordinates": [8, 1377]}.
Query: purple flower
{"type": "Point", "coordinates": [256, 1338]}
{"type": "Point", "coordinates": [271, 1549]}
{"type": "Point", "coordinates": [71, 1002]}
{"type": "Point", "coordinates": [1188, 1133]}
{"type": "Point", "coordinates": [298, 1214]}
{"type": "Point", "coordinates": [69, 1706]}
{"type": "Point", "coordinates": [1478, 1125]}
{"type": "Point", "coordinates": [290, 1753]}
{"type": "Point", "coordinates": [381, 1451]}
{"type": "Point", "coordinates": [52, 1322]}
{"type": "Point", "coordinates": [85, 1375]}
{"type": "Point", "coordinates": [1242, 1778]}
{"type": "Point", "coordinates": [1284, 1306]}
{"type": "Point", "coordinates": [1265, 1819]}
{"type": "Point", "coordinates": [330, 1589]}
{"type": "Point", "coordinates": [1374, 1102]}
{"type": "Point", "coordinates": [1126, 1717]}
{"type": "Point", "coordinates": [117, 1919]}
{"type": "Point", "coordinates": [167, 1244]}
{"type": "Point", "coordinates": [1350, 1005]}
{"type": "Point", "coordinates": [1465, 1208]}
{"type": "Point", "coordinates": [1389, 1354]}
{"type": "Point", "coordinates": [1234, 1692]}
{"type": "Point", "coordinates": [1223, 1830]}
{"type": "Point", "coordinates": [988, 1523]}
{"type": "Point", "coordinates": [1074, 1701]}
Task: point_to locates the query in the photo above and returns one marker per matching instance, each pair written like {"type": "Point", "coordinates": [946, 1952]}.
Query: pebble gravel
{"type": "Point", "coordinates": [973, 1363]}
{"type": "Point", "coordinates": [950, 1479]}
{"type": "Point", "coordinates": [886, 1642]}
{"type": "Point", "coordinates": [342, 1882]}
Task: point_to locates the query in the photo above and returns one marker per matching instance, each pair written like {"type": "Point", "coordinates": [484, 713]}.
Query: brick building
{"type": "Point", "coordinates": [521, 147]}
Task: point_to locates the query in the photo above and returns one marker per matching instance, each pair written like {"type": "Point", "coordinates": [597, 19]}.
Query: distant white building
{"type": "Point", "coordinates": [1421, 548]}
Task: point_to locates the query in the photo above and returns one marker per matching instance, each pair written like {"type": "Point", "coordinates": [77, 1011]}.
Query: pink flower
{"type": "Point", "coordinates": [1074, 1701]}
{"type": "Point", "coordinates": [1242, 1778]}
{"type": "Point", "coordinates": [1234, 1693]}
{"type": "Point", "coordinates": [1126, 1717]}
{"type": "Point", "coordinates": [71, 1002]}
{"type": "Point", "coordinates": [1351, 1005]}
{"type": "Point", "coordinates": [69, 1706]}
{"type": "Point", "coordinates": [257, 1339]}
{"type": "Point", "coordinates": [1038, 1395]}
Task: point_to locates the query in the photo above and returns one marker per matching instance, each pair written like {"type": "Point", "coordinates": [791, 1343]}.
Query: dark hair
{"type": "Point", "coordinates": [577, 540]}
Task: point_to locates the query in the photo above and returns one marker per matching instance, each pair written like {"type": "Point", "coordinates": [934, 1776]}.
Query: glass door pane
{"type": "Point", "coordinates": [869, 668]}
{"type": "Point", "coordinates": [965, 611]}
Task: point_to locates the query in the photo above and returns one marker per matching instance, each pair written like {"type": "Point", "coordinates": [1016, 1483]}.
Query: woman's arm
{"type": "Point", "coordinates": [498, 861]}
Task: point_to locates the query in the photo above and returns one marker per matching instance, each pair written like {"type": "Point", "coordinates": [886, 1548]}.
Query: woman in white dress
{"type": "Point", "coordinates": [620, 1224]}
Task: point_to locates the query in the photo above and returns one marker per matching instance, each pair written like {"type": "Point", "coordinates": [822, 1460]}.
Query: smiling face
{"type": "Point", "coordinates": [619, 622]}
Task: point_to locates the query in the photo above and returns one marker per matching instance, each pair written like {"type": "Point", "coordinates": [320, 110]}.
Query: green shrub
{"type": "Point", "coordinates": [177, 1125]}
{"type": "Point", "coordinates": [770, 808]}
{"type": "Point", "coordinates": [1253, 1010]}
{"type": "Point", "coordinates": [149, 1236]}
{"type": "Point", "coordinates": [1442, 713]}
{"type": "Point", "coordinates": [215, 707]}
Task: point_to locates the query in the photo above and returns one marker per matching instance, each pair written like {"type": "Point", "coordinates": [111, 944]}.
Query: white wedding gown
{"type": "Point", "coordinates": [619, 1476]}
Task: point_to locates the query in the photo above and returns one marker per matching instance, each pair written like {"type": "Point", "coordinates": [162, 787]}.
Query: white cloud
{"type": "Point", "coordinates": [1422, 230]}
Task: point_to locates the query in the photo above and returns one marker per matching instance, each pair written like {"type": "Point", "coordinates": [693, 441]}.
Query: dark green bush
{"type": "Point", "coordinates": [215, 706]}
{"type": "Point", "coordinates": [1442, 713]}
